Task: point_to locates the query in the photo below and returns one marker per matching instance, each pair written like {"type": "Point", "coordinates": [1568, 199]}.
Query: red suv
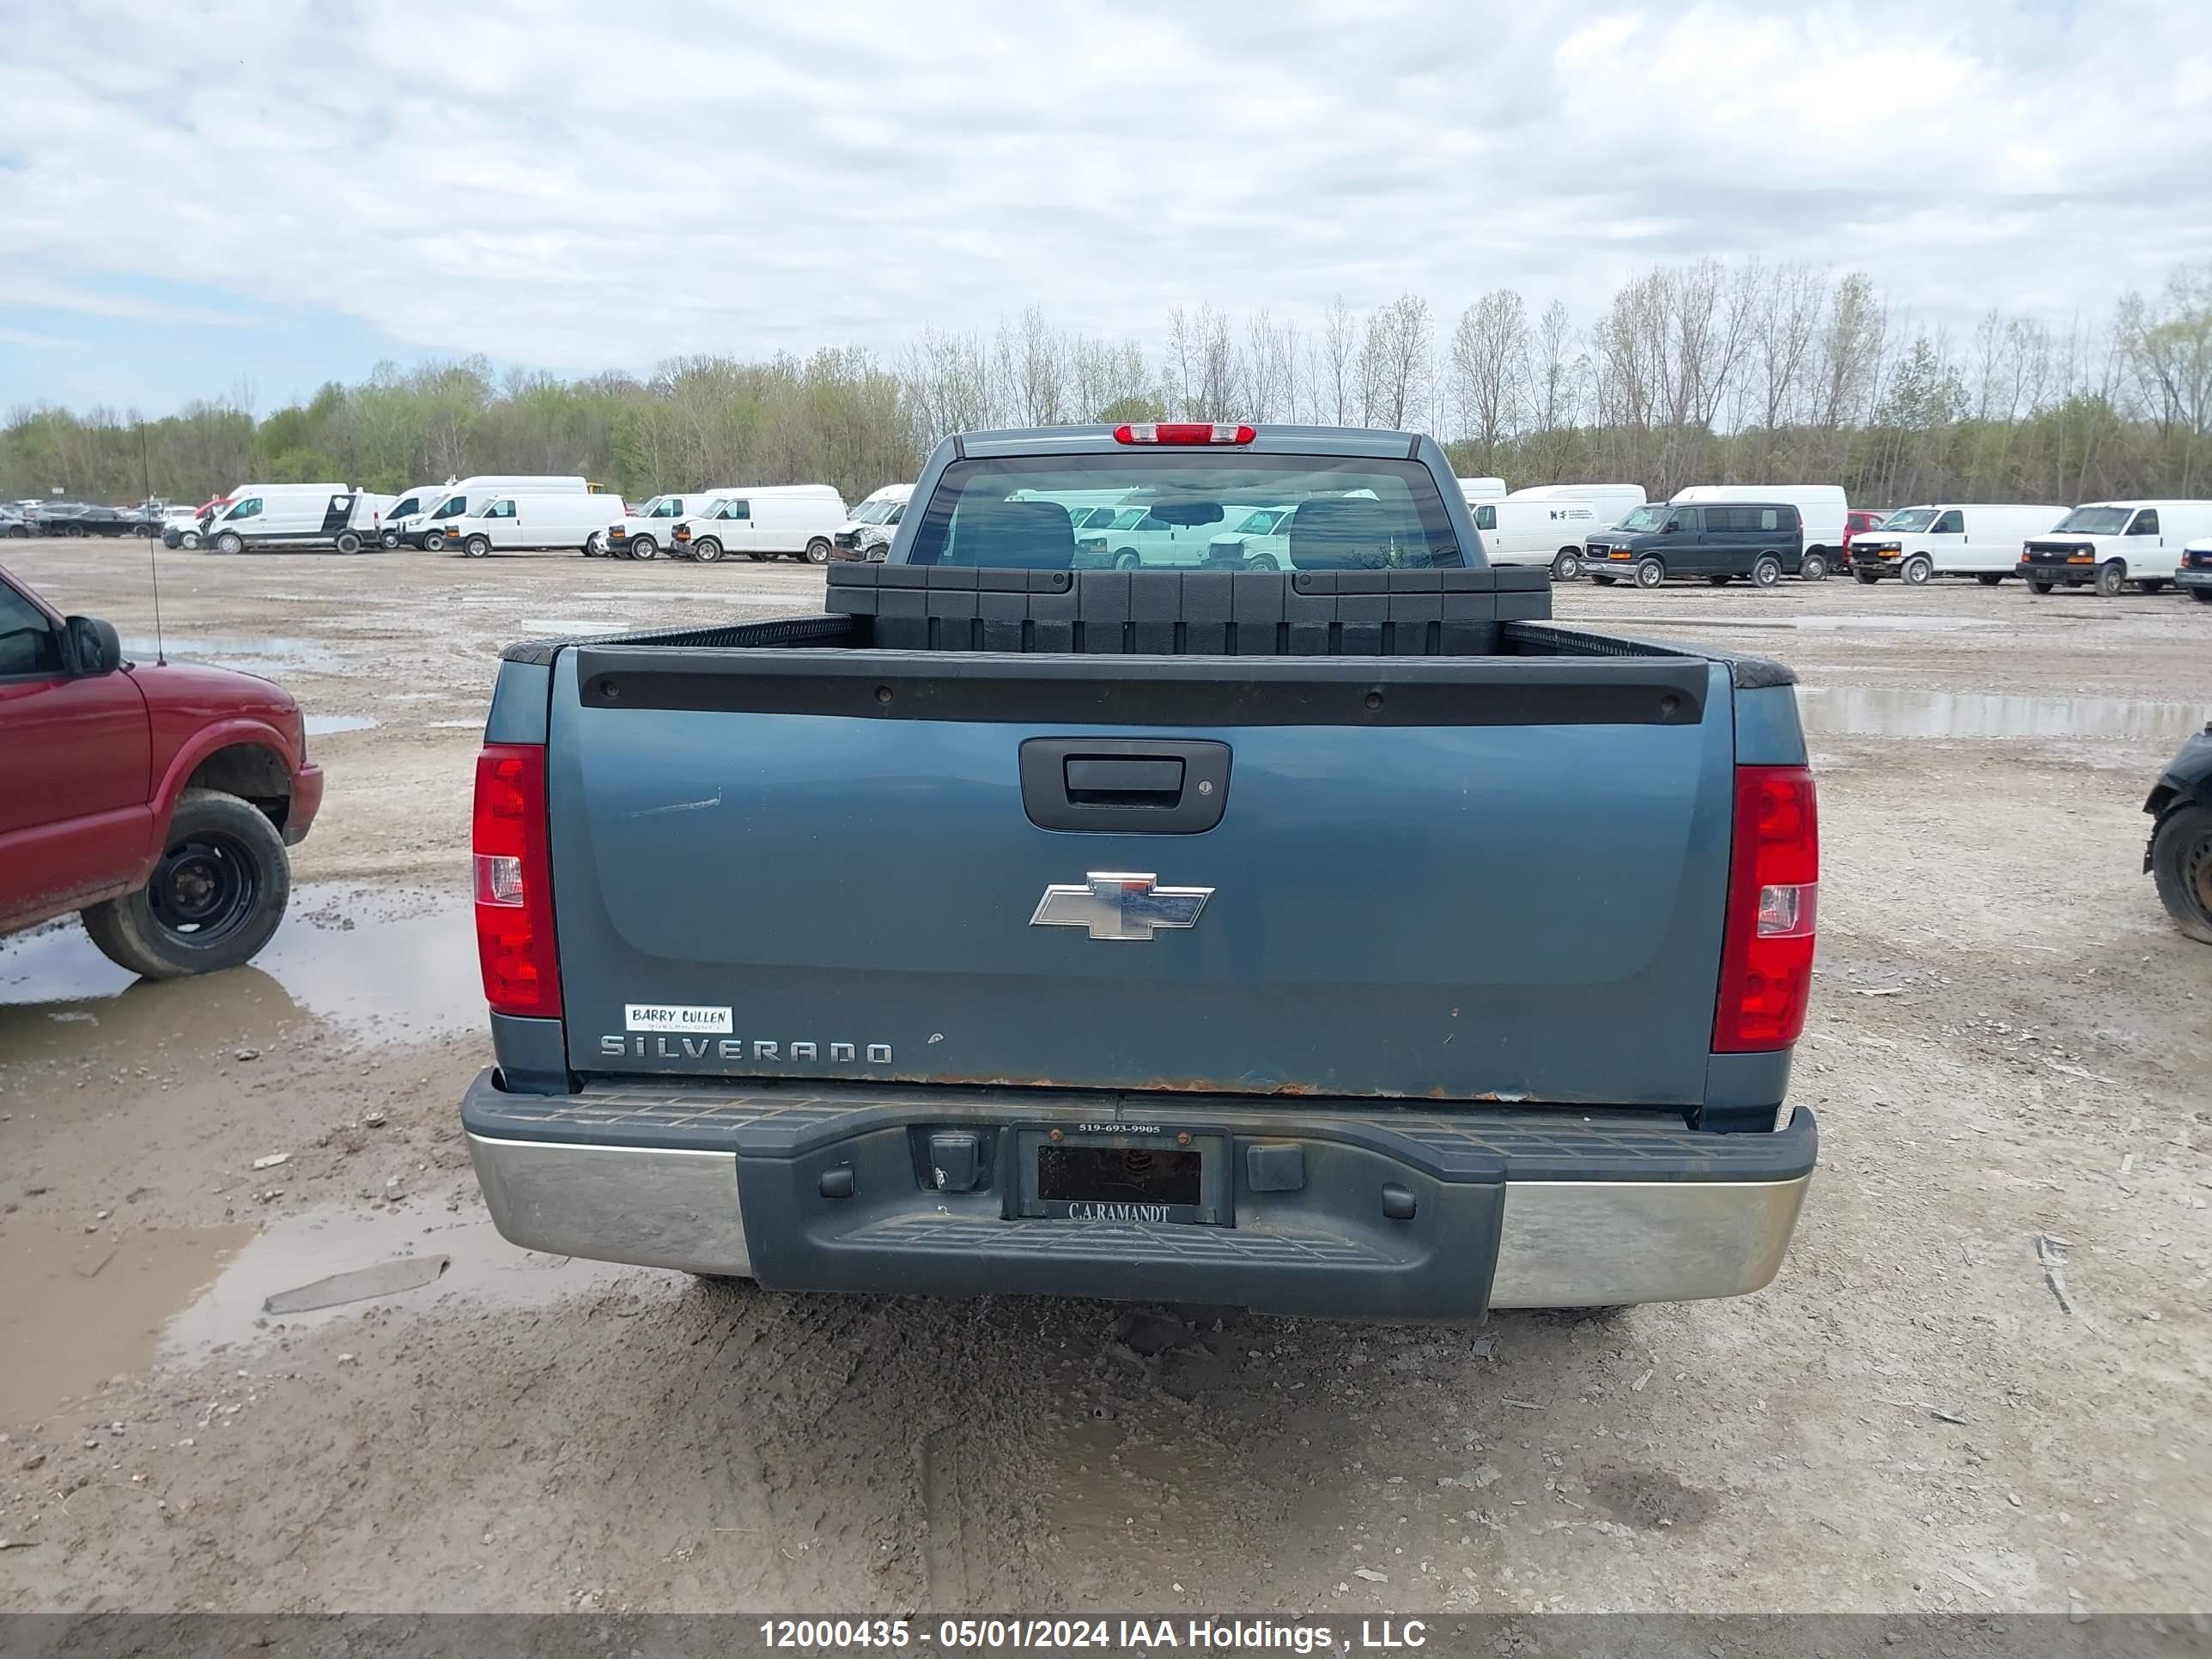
{"type": "Point", "coordinates": [157, 799]}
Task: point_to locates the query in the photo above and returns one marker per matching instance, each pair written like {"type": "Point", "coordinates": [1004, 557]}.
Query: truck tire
{"type": "Point", "coordinates": [1603, 581]}
{"type": "Point", "coordinates": [1868, 578]}
{"type": "Point", "coordinates": [1917, 570]}
{"type": "Point", "coordinates": [189, 539]}
{"type": "Point", "coordinates": [1650, 573]}
{"type": "Point", "coordinates": [230, 542]}
{"type": "Point", "coordinates": [818, 551]}
{"type": "Point", "coordinates": [592, 545]}
{"type": "Point", "coordinates": [2111, 577]}
{"type": "Point", "coordinates": [1989, 578]}
{"type": "Point", "coordinates": [478, 546]}
{"type": "Point", "coordinates": [217, 895]}
{"type": "Point", "coordinates": [643, 547]}
{"type": "Point", "coordinates": [349, 543]}
{"type": "Point", "coordinates": [1566, 565]}
{"type": "Point", "coordinates": [2151, 586]}
{"type": "Point", "coordinates": [1127, 559]}
{"type": "Point", "coordinates": [1269, 562]}
{"type": "Point", "coordinates": [1813, 567]}
{"type": "Point", "coordinates": [2035, 586]}
{"type": "Point", "coordinates": [433, 540]}
{"type": "Point", "coordinates": [1766, 570]}
{"type": "Point", "coordinates": [2201, 595]}
{"type": "Point", "coordinates": [2181, 861]}
{"type": "Point", "coordinates": [389, 541]}
{"type": "Point", "coordinates": [1719, 582]}
{"type": "Point", "coordinates": [759, 556]}
{"type": "Point", "coordinates": [706, 549]}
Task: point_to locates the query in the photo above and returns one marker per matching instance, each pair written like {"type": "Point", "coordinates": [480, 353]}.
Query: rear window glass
{"type": "Point", "coordinates": [1189, 510]}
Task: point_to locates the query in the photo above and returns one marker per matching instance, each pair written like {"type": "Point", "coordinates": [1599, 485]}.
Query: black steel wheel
{"type": "Point", "coordinates": [218, 893]}
{"type": "Point", "coordinates": [2181, 861]}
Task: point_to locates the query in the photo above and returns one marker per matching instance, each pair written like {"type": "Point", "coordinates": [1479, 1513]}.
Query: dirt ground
{"type": "Point", "coordinates": [1979, 1383]}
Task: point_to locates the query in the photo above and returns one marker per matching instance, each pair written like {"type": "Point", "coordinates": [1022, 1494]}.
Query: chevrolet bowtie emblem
{"type": "Point", "coordinates": [1125, 907]}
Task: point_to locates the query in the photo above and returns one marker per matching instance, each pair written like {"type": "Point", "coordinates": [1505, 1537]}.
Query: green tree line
{"type": "Point", "coordinates": [1707, 373]}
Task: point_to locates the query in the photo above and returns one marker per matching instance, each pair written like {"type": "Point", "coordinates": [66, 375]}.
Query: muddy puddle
{"type": "Point", "coordinates": [1884, 713]}
{"type": "Point", "coordinates": [304, 1250]}
{"type": "Point", "coordinates": [254, 654]}
{"type": "Point", "coordinates": [388, 969]}
{"type": "Point", "coordinates": [76, 1308]}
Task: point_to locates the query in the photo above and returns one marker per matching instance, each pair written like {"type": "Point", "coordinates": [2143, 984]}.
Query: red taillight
{"type": "Point", "coordinates": [1774, 886]}
{"type": "Point", "coordinates": [1181, 432]}
{"type": "Point", "coordinates": [514, 878]}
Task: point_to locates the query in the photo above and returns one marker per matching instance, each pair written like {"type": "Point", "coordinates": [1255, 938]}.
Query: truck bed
{"type": "Point", "coordinates": [828, 837]}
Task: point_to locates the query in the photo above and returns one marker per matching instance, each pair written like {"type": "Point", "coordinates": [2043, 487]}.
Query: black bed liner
{"type": "Point", "coordinates": [1406, 614]}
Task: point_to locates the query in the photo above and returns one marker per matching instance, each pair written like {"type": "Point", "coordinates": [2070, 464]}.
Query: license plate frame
{"type": "Point", "coordinates": [1214, 1188]}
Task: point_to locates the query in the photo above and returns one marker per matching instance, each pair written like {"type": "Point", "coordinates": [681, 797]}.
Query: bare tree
{"type": "Point", "coordinates": [1395, 360]}
{"type": "Point", "coordinates": [1490, 369]}
{"type": "Point", "coordinates": [1335, 383]}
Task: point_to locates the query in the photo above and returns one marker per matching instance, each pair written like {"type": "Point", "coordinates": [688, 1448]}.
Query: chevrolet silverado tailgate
{"type": "Point", "coordinates": [1485, 878]}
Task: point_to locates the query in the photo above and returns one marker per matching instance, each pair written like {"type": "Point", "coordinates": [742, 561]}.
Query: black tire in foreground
{"type": "Point", "coordinates": [2111, 578]}
{"type": "Point", "coordinates": [2181, 862]}
{"type": "Point", "coordinates": [217, 895]}
{"type": "Point", "coordinates": [2201, 595]}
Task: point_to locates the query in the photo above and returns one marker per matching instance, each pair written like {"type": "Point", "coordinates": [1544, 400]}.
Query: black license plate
{"type": "Point", "coordinates": [1146, 1176]}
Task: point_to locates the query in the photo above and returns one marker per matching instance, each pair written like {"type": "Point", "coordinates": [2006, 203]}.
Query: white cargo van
{"type": "Point", "coordinates": [2114, 545]}
{"type": "Point", "coordinates": [1550, 524]}
{"type": "Point", "coordinates": [762, 522]}
{"type": "Point", "coordinates": [307, 516]}
{"type": "Point", "coordinates": [1949, 538]}
{"type": "Point", "coordinates": [409, 509]}
{"type": "Point", "coordinates": [1483, 490]}
{"type": "Point", "coordinates": [457, 498]}
{"type": "Point", "coordinates": [1820, 506]}
{"type": "Point", "coordinates": [649, 531]}
{"type": "Point", "coordinates": [517, 520]}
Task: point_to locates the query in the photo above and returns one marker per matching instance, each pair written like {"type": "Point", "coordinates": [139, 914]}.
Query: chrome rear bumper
{"type": "Point", "coordinates": [1561, 1243]}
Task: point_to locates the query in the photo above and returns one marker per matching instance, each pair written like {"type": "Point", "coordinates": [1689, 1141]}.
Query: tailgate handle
{"type": "Point", "coordinates": [1125, 786]}
{"type": "Point", "coordinates": [1097, 780]}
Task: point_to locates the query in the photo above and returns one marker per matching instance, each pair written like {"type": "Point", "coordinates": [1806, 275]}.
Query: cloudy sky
{"type": "Point", "coordinates": [287, 190]}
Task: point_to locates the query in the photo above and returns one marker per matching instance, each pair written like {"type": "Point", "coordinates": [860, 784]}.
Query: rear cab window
{"type": "Point", "coordinates": [1334, 513]}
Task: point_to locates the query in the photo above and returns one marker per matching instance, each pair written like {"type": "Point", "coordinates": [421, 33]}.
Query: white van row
{"type": "Point", "coordinates": [760, 522]}
{"type": "Point", "coordinates": [2108, 545]}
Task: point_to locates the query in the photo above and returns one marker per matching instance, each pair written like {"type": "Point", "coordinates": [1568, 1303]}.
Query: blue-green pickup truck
{"type": "Point", "coordinates": [1224, 933]}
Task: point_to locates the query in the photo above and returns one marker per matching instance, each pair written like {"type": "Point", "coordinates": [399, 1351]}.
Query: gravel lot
{"type": "Point", "coordinates": [2010, 1044]}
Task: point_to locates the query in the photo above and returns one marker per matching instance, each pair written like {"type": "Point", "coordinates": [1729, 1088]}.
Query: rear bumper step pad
{"type": "Point", "coordinates": [1534, 1206]}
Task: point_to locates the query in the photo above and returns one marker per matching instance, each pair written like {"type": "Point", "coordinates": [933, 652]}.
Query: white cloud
{"type": "Point", "coordinates": [559, 182]}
